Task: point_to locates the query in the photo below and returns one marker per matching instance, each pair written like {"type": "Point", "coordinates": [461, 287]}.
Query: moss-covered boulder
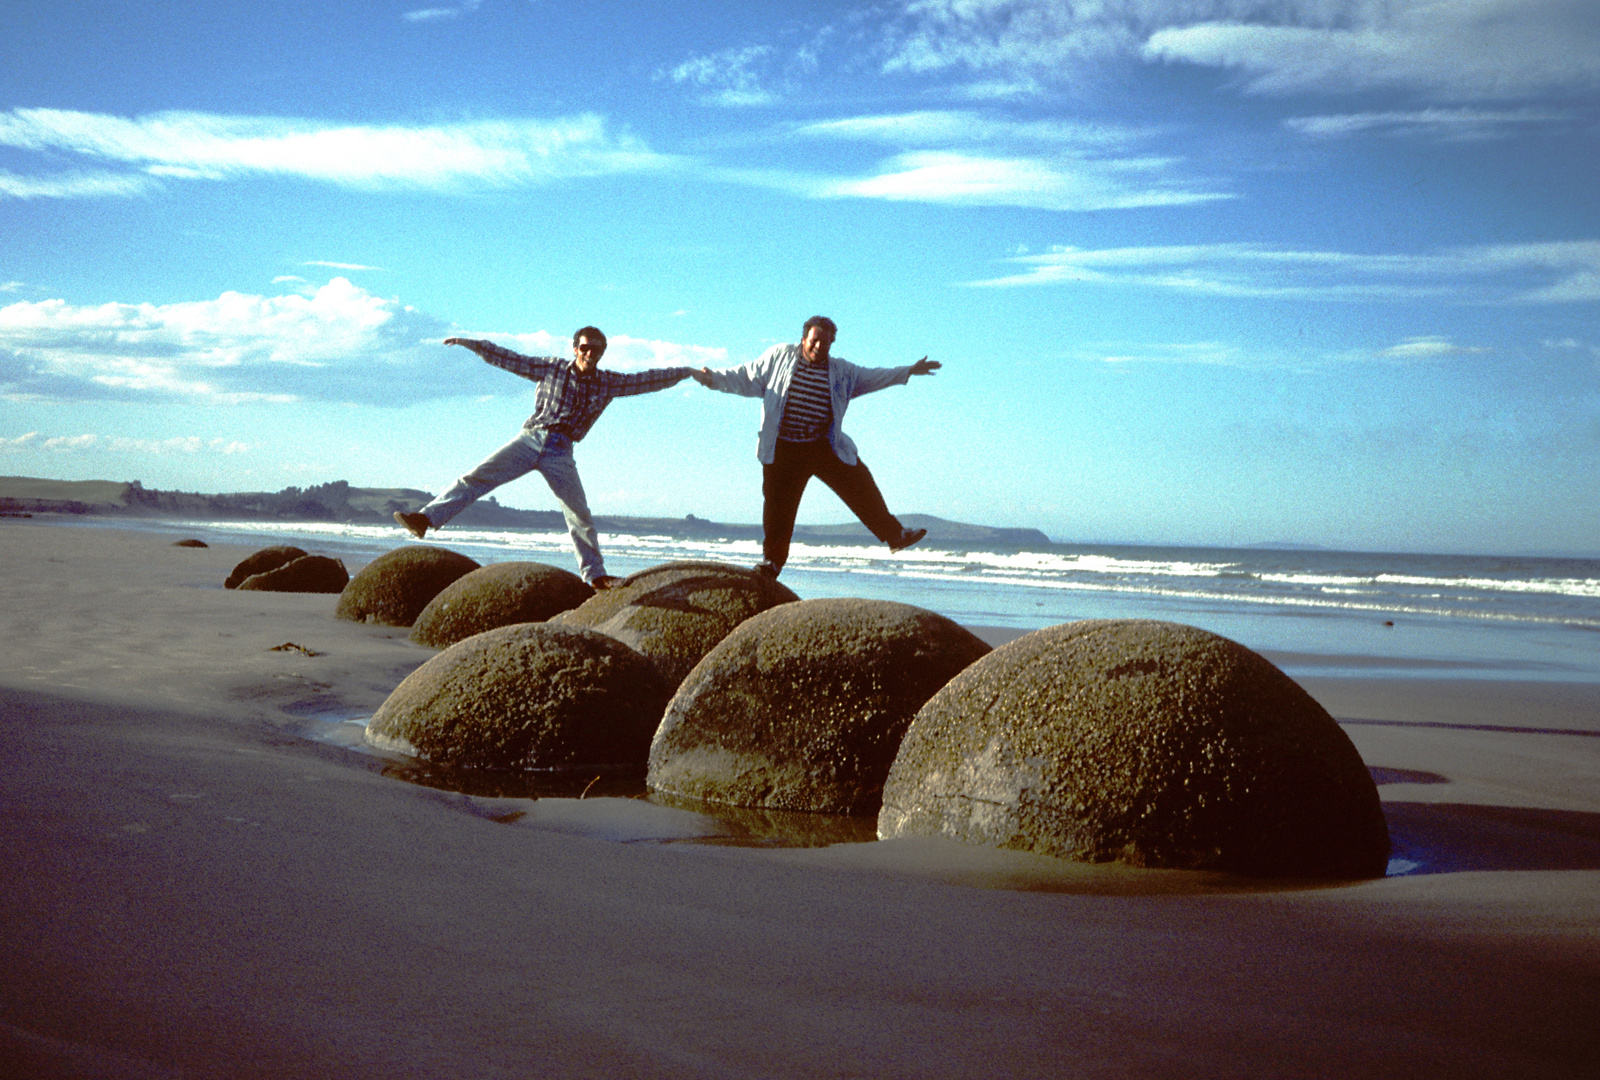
{"type": "Point", "coordinates": [802, 706]}
{"type": "Point", "coordinates": [526, 696]}
{"type": "Point", "coordinates": [677, 612]}
{"type": "Point", "coordinates": [1148, 743]}
{"type": "Point", "coordinates": [500, 594]}
{"type": "Point", "coordinates": [394, 588]}
{"type": "Point", "coordinates": [259, 562]}
{"type": "Point", "coordinates": [307, 574]}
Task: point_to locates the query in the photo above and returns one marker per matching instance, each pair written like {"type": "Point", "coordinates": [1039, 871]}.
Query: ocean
{"type": "Point", "coordinates": [1312, 612]}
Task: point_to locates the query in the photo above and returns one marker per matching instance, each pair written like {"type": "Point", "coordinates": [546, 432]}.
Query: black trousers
{"type": "Point", "coordinates": [784, 482]}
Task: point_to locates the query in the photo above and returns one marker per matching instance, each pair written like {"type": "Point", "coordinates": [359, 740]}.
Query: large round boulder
{"type": "Point", "coordinates": [1147, 743]}
{"type": "Point", "coordinates": [307, 574]}
{"type": "Point", "coordinates": [528, 696]}
{"type": "Point", "coordinates": [259, 562]}
{"type": "Point", "coordinates": [500, 594]}
{"type": "Point", "coordinates": [802, 706]}
{"type": "Point", "coordinates": [677, 612]}
{"type": "Point", "coordinates": [394, 588]}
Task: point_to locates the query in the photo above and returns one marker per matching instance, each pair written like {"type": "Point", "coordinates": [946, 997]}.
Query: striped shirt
{"type": "Point", "coordinates": [808, 406]}
{"type": "Point", "coordinates": [569, 401]}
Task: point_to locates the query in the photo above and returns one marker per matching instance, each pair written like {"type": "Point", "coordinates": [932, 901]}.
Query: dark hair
{"type": "Point", "coordinates": [822, 321]}
{"type": "Point", "coordinates": [592, 331]}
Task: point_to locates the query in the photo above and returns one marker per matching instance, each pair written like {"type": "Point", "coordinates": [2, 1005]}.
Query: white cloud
{"type": "Point", "coordinates": [118, 444]}
{"type": "Point", "coordinates": [1457, 50]}
{"type": "Point", "coordinates": [728, 77]}
{"type": "Point", "coordinates": [73, 185]}
{"type": "Point", "coordinates": [1045, 184]}
{"type": "Point", "coordinates": [446, 157]}
{"type": "Point", "coordinates": [340, 343]}
{"type": "Point", "coordinates": [1463, 50]}
{"type": "Point", "coordinates": [1429, 347]}
{"type": "Point", "coordinates": [1446, 125]}
{"type": "Point", "coordinates": [339, 265]}
{"type": "Point", "coordinates": [434, 14]}
{"type": "Point", "coordinates": [1556, 272]}
{"type": "Point", "coordinates": [957, 126]}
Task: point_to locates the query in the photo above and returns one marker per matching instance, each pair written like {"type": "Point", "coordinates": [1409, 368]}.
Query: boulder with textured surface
{"type": "Point", "coordinates": [1149, 743]}
{"type": "Point", "coordinates": [526, 696]}
{"type": "Point", "coordinates": [394, 588]}
{"type": "Point", "coordinates": [259, 562]}
{"type": "Point", "coordinates": [802, 707]}
{"type": "Point", "coordinates": [307, 574]}
{"type": "Point", "coordinates": [677, 612]}
{"type": "Point", "coordinates": [500, 594]}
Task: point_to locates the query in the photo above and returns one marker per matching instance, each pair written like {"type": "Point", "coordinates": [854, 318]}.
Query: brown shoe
{"type": "Point", "coordinates": [415, 524]}
{"type": "Point", "coordinates": [907, 538]}
{"type": "Point", "coordinates": [605, 581]}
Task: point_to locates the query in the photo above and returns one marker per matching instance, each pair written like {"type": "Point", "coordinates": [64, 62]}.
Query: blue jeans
{"type": "Point", "coordinates": [548, 452]}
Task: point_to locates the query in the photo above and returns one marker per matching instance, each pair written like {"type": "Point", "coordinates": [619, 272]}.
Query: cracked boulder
{"type": "Point", "coordinates": [1147, 743]}
{"type": "Point", "coordinates": [259, 562]}
{"type": "Point", "coordinates": [307, 574]}
{"type": "Point", "coordinates": [500, 594]}
{"type": "Point", "coordinates": [677, 612]}
{"type": "Point", "coordinates": [394, 588]}
{"type": "Point", "coordinates": [802, 707]}
{"type": "Point", "coordinates": [528, 696]}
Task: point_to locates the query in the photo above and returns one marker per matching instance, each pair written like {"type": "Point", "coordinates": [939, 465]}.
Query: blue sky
{"type": "Point", "coordinates": [1211, 271]}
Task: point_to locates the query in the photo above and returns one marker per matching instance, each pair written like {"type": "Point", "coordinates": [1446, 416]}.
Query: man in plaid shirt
{"type": "Point", "coordinates": [572, 395]}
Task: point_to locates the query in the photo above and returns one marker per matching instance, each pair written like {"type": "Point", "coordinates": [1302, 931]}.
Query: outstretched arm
{"type": "Point", "coordinates": [529, 367]}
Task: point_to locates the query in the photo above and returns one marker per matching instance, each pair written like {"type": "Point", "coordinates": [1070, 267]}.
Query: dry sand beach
{"type": "Point", "coordinates": [201, 880]}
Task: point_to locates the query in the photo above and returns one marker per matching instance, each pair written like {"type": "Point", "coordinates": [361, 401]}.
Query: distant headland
{"type": "Point", "coordinates": [337, 501]}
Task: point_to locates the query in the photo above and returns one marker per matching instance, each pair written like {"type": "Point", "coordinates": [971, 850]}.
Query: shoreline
{"type": "Point", "coordinates": [195, 888]}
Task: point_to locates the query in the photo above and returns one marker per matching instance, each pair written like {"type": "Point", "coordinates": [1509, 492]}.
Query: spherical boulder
{"type": "Point", "coordinates": [528, 696]}
{"type": "Point", "coordinates": [394, 588]}
{"type": "Point", "coordinates": [308, 574]}
{"type": "Point", "coordinates": [802, 706]}
{"type": "Point", "coordinates": [677, 612]}
{"type": "Point", "coordinates": [259, 562]}
{"type": "Point", "coordinates": [500, 594]}
{"type": "Point", "coordinates": [1148, 743]}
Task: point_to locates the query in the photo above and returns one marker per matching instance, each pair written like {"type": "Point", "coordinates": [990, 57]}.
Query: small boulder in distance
{"type": "Point", "coordinates": [190, 542]}
{"type": "Point", "coordinates": [259, 562]}
{"type": "Point", "coordinates": [307, 574]}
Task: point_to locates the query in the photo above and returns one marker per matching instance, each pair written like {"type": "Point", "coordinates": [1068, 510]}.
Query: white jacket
{"type": "Point", "coordinates": [767, 377]}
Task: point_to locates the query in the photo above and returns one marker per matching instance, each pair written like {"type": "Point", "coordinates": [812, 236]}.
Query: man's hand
{"type": "Point", "coordinates": [925, 366]}
{"type": "Point", "coordinates": [455, 341]}
{"type": "Point", "coordinates": [703, 376]}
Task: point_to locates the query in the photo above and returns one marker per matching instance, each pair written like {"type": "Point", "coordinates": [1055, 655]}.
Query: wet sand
{"type": "Point", "coordinates": [199, 881]}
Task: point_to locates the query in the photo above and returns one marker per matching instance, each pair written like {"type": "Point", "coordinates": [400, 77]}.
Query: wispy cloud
{"type": "Point", "coordinates": [119, 444]}
{"type": "Point", "coordinates": [733, 77]}
{"type": "Point", "coordinates": [1558, 272]}
{"type": "Point", "coordinates": [1428, 347]}
{"type": "Point", "coordinates": [966, 158]}
{"type": "Point", "coordinates": [339, 265]}
{"type": "Point", "coordinates": [338, 344]}
{"type": "Point", "coordinates": [434, 14]}
{"type": "Point", "coordinates": [185, 145]}
{"type": "Point", "coordinates": [1443, 125]}
{"type": "Point", "coordinates": [1464, 50]}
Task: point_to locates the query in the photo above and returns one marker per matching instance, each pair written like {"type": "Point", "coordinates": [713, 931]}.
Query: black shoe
{"type": "Point", "coordinates": [416, 524]}
{"type": "Point", "coordinates": [907, 538]}
{"type": "Point", "coordinates": [765, 569]}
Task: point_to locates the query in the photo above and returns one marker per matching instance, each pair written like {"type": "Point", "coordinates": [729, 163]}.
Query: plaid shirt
{"type": "Point", "coordinates": [569, 401]}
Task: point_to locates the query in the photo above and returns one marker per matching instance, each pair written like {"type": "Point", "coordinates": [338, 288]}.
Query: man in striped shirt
{"type": "Point", "coordinates": [804, 392]}
{"type": "Point", "coordinates": [572, 394]}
